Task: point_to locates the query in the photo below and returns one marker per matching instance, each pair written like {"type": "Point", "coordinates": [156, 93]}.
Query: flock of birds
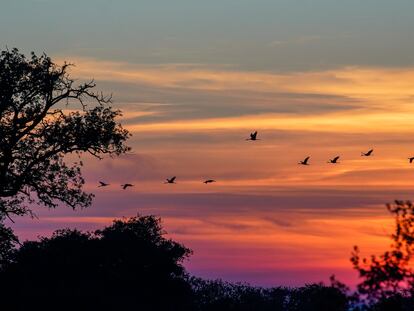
{"type": "Point", "coordinates": [167, 181]}
{"type": "Point", "coordinates": [253, 137]}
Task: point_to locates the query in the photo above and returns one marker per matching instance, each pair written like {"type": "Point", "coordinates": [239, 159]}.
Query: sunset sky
{"type": "Point", "coordinates": [193, 78]}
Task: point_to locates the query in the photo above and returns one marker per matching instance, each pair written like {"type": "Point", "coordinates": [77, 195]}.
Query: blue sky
{"type": "Point", "coordinates": [254, 35]}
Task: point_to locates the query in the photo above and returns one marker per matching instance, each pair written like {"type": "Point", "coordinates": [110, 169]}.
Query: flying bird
{"type": "Point", "coordinates": [253, 136]}
{"type": "Point", "coordinates": [103, 184]}
{"type": "Point", "coordinates": [304, 162]}
{"type": "Point", "coordinates": [334, 160]}
{"type": "Point", "coordinates": [209, 181]}
{"type": "Point", "coordinates": [170, 180]}
{"type": "Point", "coordinates": [124, 186]}
{"type": "Point", "coordinates": [411, 159]}
{"type": "Point", "coordinates": [367, 154]}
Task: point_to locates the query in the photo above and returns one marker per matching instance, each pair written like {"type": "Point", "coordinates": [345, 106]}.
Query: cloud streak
{"type": "Point", "coordinates": [277, 220]}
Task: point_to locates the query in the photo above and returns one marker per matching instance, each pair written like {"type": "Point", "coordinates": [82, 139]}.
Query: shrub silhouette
{"type": "Point", "coordinates": [219, 296]}
{"type": "Point", "coordinates": [317, 297]}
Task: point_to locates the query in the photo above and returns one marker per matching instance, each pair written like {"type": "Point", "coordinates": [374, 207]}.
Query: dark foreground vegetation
{"type": "Point", "coordinates": [131, 265]}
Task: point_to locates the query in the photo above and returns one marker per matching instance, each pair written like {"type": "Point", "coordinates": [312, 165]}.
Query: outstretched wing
{"type": "Point", "coordinates": [253, 135]}
{"type": "Point", "coordinates": [173, 178]}
{"type": "Point", "coordinates": [306, 160]}
{"type": "Point", "coordinates": [335, 159]}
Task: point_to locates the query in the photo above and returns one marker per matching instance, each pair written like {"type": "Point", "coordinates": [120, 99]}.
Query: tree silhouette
{"type": "Point", "coordinates": [219, 295]}
{"type": "Point", "coordinates": [390, 273]}
{"type": "Point", "coordinates": [7, 245]}
{"type": "Point", "coordinates": [43, 117]}
{"type": "Point", "coordinates": [128, 264]}
{"type": "Point", "coordinates": [318, 297]}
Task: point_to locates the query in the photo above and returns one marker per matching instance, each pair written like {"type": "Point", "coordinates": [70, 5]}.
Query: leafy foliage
{"type": "Point", "coordinates": [8, 242]}
{"type": "Point", "coordinates": [129, 263]}
{"type": "Point", "coordinates": [43, 117]}
{"type": "Point", "coordinates": [219, 295]}
{"type": "Point", "coordinates": [390, 273]}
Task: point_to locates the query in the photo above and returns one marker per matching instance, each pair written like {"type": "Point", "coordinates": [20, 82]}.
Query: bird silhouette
{"type": "Point", "coordinates": [170, 180]}
{"type": "Point", "coordinates": [411, 159]}
{"type": "Point", "coordinates": [367, 154]}
{"type": "Point", "coordinates": [124, 186]}
{"type": "Point", "coordinates": [305, 161]}
{"type": "Point", "coordinates": [209, 181]}
{"type": "Point", "coordinates": [334, 160]}
{"type": "Point", "coordinates": [253, 136]}
{"type": "Point", "coordinates": [103, 184]}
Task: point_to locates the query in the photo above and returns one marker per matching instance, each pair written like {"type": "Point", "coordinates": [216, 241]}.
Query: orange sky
{"type": "Point", "coordinates": [194, 78]}
{"type": "Point", "coordinates": [267, 220]}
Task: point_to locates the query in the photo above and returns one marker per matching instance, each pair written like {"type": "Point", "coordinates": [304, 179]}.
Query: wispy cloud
{"type": "Point", "coordinates": [201, 98]}
{"type": "Point", "coordinates": [192, 120]}
{"type": "Point", "coordinates": [355, 82]}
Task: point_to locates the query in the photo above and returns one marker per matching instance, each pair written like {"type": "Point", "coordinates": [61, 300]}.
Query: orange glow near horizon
{"type": "Point", "coordinates": [266, 213]}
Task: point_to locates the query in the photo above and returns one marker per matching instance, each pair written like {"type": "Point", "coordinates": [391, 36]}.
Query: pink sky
{"type": "Point", "coordinates": [267, 220]}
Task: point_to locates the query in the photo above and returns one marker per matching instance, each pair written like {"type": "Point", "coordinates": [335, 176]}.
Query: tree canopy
{"type": "Point", "coordinates": [45, 115]}
{"type": "Point", "coordinates": [390, 273]}
{"type": "Point", "coordinates": [129, 263]}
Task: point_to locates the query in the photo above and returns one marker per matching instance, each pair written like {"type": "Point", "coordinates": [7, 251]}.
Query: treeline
{"type": "Point", "coordinates": [131, 265]}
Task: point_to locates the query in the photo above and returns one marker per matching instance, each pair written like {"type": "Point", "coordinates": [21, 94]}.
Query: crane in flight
{"type": "Point", "coordinates": [305, 161]}
{"type": "Point", "coordinates": [253, 136]}
{"type": "Point", "coordinates": [170, 180]}
{"type": "Point", "coordinates": [209, 181]}
{"type": "Point", "coordinates": [367, 154]}
{"type": "Point", "coordinates": [124, 186]}
{"type": "Point", "coordinates": [102, 184]}
{"type": "Point", "coordinates": [334, 160]}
